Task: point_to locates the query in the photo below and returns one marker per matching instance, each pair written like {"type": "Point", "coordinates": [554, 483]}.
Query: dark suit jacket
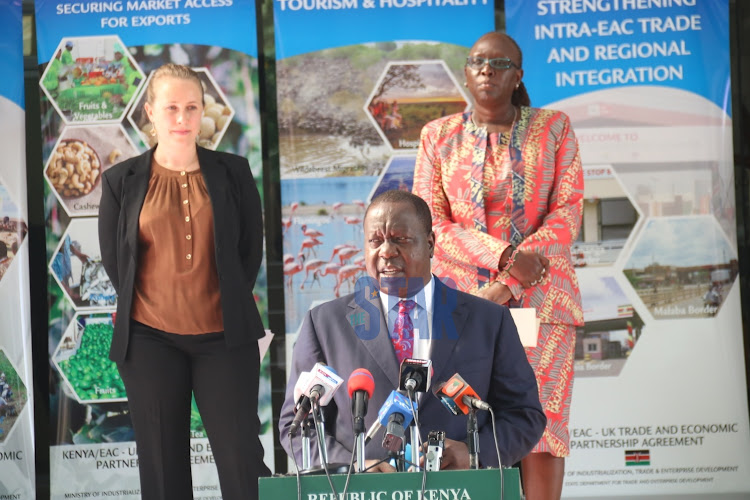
{"type": "Point", "coordinates": [471, 336]}
{"type": "Point", "coordinates": [238, 239]}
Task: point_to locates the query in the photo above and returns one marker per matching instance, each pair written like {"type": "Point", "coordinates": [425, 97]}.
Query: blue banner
{"type": "Point", "coordinates": [96, 58]}
{"type": "Point", "coordinates": [356, 82]}
{"type": "Point", "coordinates": [584, 46]}
{"type": "Point", "coordinates": [646, 84]}
{"type": "Point", "coordinates": [17, 473]}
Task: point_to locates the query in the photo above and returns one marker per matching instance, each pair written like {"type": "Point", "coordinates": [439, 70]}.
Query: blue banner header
{"type": "Point", "coordinates": [576, 46]}
{"type": "Point", "coordinates": [11, 46]}
{"type": "Point", "coordinates": [304, 26]}
{"type": "Point", "coordinates": [146, 22]}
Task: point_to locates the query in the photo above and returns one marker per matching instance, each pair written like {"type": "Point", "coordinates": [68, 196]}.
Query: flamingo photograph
{"type": "Point", "coordinates": [322, 226]}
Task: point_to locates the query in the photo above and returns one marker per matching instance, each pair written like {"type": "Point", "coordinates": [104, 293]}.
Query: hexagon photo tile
{"type": "Point", "coordinates": [609, 218]}
{"type": "Point", "coordinates": [81, 155]}
{"type": "Point", "coordinates": [612, 327]}
{"type": "Point", "coordinates": [83, 362]}
{"type": "Point", "coordinates": [682, 267]}
{"type": "Point", "coordinates": [92, 79]}
{"type": "Point", "coordinates": [13, 230]}
{"type": "Point", "coordinates": [13, 396]}
{"type": "Point", "coordinates": [77, 266]}
{"type": "Point", "coordinates": [217, 114]}
{"type": "Point", "coordinates": [397, 174]}
{"type": "Point", "coordinates": [323, 255]}
{"type": "Point", "coordinates": [677, 188]}
{"type": "Point", "coordinates": [410, 94]}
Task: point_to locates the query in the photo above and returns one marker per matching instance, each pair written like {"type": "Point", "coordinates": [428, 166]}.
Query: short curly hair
{"type": "Point", "coordinates": [397, 196]}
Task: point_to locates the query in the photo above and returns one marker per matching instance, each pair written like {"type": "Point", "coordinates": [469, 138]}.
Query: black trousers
{"type": "Point", "coordinates": [160, 373]}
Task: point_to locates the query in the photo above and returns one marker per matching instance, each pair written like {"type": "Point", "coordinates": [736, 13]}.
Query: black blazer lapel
{"type": "Point", "coordinates": [379, 347]}
{"type": "Point", "coordinates": [135, 186]}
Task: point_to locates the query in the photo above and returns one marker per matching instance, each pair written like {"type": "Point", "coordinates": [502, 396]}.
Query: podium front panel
{"type": "Point", "coordinates": [481, 484]}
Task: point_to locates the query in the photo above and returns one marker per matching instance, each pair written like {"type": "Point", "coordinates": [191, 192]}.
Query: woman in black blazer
{"type": "Point", "coordinates": [181, 237]}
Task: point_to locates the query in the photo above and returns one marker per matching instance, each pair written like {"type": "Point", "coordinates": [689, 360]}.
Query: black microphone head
{"type": "Point", "coordinates": [415, 375]}
{"type": "Point", "coordinates": [302, 409]}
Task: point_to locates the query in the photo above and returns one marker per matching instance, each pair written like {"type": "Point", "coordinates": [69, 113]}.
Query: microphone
{"type": "Point", "coordinates": [415, 375]}
{"type": "Point", "coordinates": [322, 384]}
{"type": "Point", "coordinates": [360, 386]}
{"type": "Point", "coordinates": [395, 403]}
{"type": "Point", "coordinates": [318, 385]}
{"type": "Point", "coordinates": [458, 396]}
{"type": "Point", "coordinates": [396, 416]}
{"type": "Point", "coordinates": [302, 408]}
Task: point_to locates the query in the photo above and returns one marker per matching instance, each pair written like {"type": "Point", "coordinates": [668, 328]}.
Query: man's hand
{"type": "Point", "coordinates": [496, 292]}
{"type": "Point", "coordinates": [455, 455]}
{"type": "Point", "coordinates": [380, 466]}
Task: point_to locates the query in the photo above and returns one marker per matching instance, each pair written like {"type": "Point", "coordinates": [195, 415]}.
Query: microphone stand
{"type": "Point", "coordinates": [321, 430]}
{"type": "Point", "coordinates": [472, 436]}
{"type": "Point", "coordinates": [306, 434]}
{"type": "Point", "coordinates": [361, 452]}
{"type": "Point", "coordinates": [414, 437]}
{"type": "Point", "coordinates": [414, 430]}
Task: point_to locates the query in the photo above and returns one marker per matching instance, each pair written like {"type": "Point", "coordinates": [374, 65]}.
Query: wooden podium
{"type": "Point", "coordinates": [483, 484]}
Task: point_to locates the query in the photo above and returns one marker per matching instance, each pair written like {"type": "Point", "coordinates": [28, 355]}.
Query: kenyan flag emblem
{"type": "Point", "coordinates": [637, 457]}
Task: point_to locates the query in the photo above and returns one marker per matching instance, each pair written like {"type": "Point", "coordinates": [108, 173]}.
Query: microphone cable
{"type": "Point", "coordinates": [322, 441]}
{"type": "Point", "coordinates": [497, 450]}
{"type": "Point", "coordinates": [351, 466]}
{"type": "Point", "coordinates": [296, 467]}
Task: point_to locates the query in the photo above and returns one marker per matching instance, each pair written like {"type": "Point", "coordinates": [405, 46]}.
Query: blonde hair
{"type": "Point", "coordinates": [174, 71]}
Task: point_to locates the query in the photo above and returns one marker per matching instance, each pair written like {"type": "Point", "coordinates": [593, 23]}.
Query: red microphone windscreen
{"type": "Point", "coordinates": [361, 380]}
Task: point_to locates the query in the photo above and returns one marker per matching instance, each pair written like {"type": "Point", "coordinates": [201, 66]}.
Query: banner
{"type": "Point", "coordinates": [96, 60]}
{"type": "Point", "coordinates": [16, 384]}
{"type": "Point", "coordinates": [660, 400]}
{"type": "Point", "coordinates": [351, 105]}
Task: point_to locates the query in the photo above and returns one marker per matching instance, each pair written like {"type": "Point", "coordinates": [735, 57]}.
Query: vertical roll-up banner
{"type": "Point", "coordinates": [16, 398]}
{"type": "Point", "coordinates": [357, 80]}
{"type": "Point", "coordinates": [659, 400]}
{"type": "Point", "coordinates": [96, 60]}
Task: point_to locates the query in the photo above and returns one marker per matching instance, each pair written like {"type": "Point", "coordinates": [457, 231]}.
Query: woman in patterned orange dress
{"type": "Point", "coordinates": [505, 186]}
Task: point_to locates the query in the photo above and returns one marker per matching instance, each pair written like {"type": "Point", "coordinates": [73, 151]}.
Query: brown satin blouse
{"type": "Point", "coordinates": [177, 285]}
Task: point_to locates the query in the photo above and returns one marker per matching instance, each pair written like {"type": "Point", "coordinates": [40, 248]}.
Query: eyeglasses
{"type": "Point", "coordinates": [477, 63]}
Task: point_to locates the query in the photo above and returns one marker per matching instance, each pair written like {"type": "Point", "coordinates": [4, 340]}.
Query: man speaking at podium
{"type": "Point", "coordinates": [458, 332]}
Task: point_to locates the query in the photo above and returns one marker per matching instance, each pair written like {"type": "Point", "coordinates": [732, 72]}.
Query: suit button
{"type": "Point", "coordinates": [188, 256]}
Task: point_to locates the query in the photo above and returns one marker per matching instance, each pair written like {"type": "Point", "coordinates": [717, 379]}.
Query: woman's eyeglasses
{"type": "Point", "coordinates": [477, 63]}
